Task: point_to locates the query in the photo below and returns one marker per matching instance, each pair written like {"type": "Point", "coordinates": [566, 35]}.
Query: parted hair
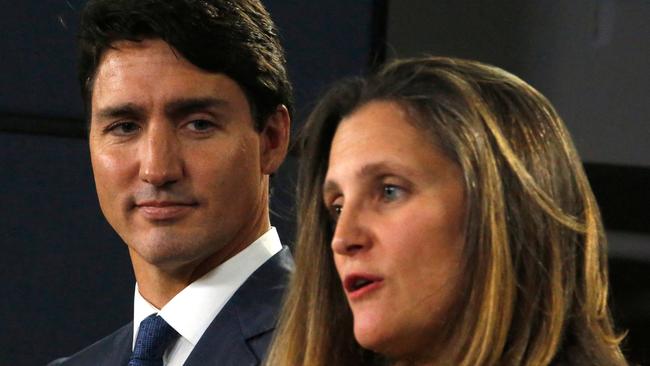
{"type": "Point", "coordinates": [233, 37]}
{"type": "Point", "coordinates": [535, 286]}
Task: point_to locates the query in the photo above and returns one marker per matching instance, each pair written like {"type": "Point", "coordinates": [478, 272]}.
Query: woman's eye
{"type": "Point", "coordinates": [334, 210]}
{"type": "Point", "coordinates": [200, 125]}
{"type": "Point", "coordinates": [392, 192]}
{"type": "Point", "coordinates": [334, 214]}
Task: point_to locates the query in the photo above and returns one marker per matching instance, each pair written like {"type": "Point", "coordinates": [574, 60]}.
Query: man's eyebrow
{"type": "Point", "coordinates": [120, 110]}
{"type": "Point", "coordinates": [185, 106]}
{"type": "Point", "coordinates": [175, 108]}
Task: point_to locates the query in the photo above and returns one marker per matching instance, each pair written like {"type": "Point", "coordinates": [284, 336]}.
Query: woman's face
{"type": "Point", "coordinates": [399, 208]}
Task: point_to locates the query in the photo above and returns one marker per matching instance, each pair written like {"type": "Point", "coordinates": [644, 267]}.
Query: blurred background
{"type": "Point", "coordinates": [67, 279]}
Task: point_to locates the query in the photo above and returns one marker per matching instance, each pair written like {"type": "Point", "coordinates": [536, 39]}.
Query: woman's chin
{"type": "Point", "coordinates": [370, 336]}
{"type": "Point", "coordinates": [386, 341]}
{"type": "Point", "coordinates": [378, 340]}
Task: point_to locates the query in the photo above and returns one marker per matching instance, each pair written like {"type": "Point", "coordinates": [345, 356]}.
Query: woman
{"type": "Point", "coordinates": [444, 219]}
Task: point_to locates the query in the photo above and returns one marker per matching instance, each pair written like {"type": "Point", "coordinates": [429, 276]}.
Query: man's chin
{"type": "Point", "coordinates": [162, 253]}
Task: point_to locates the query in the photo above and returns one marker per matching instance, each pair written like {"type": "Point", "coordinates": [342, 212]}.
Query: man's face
{"type": "Point", "coordinates": [179, 168]}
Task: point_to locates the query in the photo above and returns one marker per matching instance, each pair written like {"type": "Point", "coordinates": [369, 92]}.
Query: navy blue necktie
{"type": "Point", "coordinates": [154, 336]}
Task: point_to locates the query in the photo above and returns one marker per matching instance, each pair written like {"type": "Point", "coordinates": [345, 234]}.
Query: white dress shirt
{"type": "Point", "coordinates": [192, 310]}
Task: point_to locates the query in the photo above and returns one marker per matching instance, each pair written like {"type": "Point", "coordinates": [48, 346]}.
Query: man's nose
{"type": "Point", "coordinates": [351, 235]}
{"type": "Point", "coordinates": [161, 162]}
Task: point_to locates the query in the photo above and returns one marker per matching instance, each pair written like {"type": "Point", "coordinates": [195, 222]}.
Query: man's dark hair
{"type": "Point", "coordinates": [233, 37]}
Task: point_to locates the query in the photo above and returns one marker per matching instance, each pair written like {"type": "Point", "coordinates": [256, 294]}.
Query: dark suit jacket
{"type": "Point", "coordinates": [238, 336]}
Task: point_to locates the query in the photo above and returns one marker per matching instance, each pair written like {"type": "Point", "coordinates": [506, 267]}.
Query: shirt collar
{"type": "Point", "coordinates": [192, 310]}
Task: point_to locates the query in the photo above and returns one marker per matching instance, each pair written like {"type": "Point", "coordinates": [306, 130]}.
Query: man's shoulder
{"type": "Point", "coordinates": [259, 298]}
{"type": "Point", "coordinates": [252, 311]}
{"type": "Point", "coordinates": [275, 269]}
{"type": "Point", "coordinates": [242, 331]}
{"type": "Point", "coordinates": [270, 280]}
{"type": "Point", "coordinates": [113, 347]}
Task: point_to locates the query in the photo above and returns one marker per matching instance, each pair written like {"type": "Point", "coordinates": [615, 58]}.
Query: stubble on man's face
{"type": "Point", "coordinates": [175, 156]}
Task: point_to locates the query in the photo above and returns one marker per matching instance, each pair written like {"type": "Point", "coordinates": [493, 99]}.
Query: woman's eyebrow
{"type": "Point", "coordinates": [366, 170]}
{"type": "Point", "coordinates": [329, 187]}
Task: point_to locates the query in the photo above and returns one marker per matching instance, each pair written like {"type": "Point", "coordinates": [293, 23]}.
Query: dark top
{"type": "Point", "coordinates": [238, 336]}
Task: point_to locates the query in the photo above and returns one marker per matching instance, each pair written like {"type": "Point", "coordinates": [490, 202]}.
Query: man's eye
{"type": "Point", "coordinates": [123, 128]}
{"type": "Point", "coordinates": [200, 125]}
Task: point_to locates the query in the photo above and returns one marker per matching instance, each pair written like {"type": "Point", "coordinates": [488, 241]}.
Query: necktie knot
{"type": "Point", "coordinates": [154, 336]}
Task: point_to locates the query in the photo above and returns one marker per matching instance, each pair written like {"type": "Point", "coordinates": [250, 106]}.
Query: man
{"type": "Point", "coordinates": [188, 104]}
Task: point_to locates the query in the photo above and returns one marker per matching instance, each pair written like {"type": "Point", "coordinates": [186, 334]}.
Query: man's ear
{"type": "Point", "coordinates": [274, 140]}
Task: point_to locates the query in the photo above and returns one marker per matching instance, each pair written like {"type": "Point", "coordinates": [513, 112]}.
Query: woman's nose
{"type": "Point", "coordinates": [351, 234]}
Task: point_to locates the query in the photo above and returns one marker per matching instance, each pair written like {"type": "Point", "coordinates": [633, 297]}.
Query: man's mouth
{"type": "Point", "coordinates": [163, 203]}
{"type": "Point", "coordinates": [164, 210]}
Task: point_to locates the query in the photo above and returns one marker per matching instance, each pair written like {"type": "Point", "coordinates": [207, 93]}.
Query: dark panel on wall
{"type": "Point", "coordinates": [379, 34]}
{"type": "Point", "coordinates": [630, 304]}
{"type": "Point", "coordinates": [38, 60]}
{"type": "Point", "coordinates": [67, 275]}
{"type": "Point", "coordinates": [623, 196]}
{"type": "Point", "coordinates": [589, 57]}
{"type": "Point", "coordinates": [324, 41]}
{"type": "Point", "coordinates": [37, 125]}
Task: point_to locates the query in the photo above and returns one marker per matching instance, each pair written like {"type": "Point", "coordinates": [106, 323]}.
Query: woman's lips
{"type": "Point", "coordinates": [358, 285]}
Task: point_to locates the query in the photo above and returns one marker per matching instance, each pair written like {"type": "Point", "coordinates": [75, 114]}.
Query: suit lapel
{"type": "Point", "coordinates": [222, 343]}
{"type": "Point", "coordinates": [121, 344]}
{"type": "Point", "coordinates": [112, 350]}
{"type": "Point", "coordinates": [241, 331]}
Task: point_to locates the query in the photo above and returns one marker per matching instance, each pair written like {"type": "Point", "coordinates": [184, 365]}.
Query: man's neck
{"type": "Point", "coordinates": [159, 287]}
{"type": "Point", "coordinates": [159, 283]}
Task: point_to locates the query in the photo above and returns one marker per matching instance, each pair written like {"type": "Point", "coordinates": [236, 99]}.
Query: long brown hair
{"type": "Point", "coordinates": [536, 277]}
